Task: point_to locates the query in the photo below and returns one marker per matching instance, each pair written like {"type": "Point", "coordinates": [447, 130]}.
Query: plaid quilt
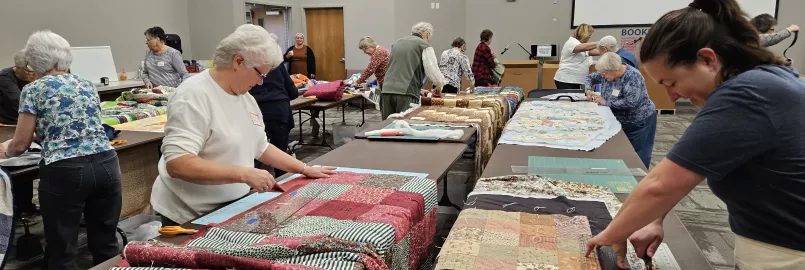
{"type": "Point", "coordinates": [352, 220]}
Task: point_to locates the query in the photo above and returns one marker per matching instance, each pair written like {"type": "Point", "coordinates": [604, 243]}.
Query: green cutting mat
{"type": "Point", "coordinates": [616, 183]}
{"type": "Point", "coordinates": [409, 137]}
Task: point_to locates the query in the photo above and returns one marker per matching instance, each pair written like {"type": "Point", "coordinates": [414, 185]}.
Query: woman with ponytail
{"type": "Point", "coordinates": [747, 140]}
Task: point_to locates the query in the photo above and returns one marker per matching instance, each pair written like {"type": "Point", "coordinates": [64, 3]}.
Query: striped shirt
{"type": "Point", "coordinates": [165, 69]}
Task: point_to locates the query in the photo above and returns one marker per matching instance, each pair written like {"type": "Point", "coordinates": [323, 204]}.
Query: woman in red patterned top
{"type": "Point", "coordinates": [484, 61]}
{"type": "Point", "coordinates": [378, 63]}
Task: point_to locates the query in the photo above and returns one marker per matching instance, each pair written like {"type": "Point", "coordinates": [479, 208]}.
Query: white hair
{"type": "Point", "coordinates": [46, 50]}
{"type": "Point", "coordinates": [366, 42]}
{"type": "Point", "coordinates": [300, 35]}
{"type": "Point", "coordinates": [608, 42]}
{"type": "Point", "coordinates": [609, 62]}
{"type": "Point", "coordinates": [422, 28]}
{"type": "Point", "coordinates": [253, 43]}
{"type": "Point", "coordinates": [19, 59]}
{"type": "Point", "coordinates": [274, 36]}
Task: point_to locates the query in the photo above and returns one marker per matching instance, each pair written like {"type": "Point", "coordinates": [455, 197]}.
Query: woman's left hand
{"type": "Point", "coordinates": [3, 150]}
{"type": "Point", "coordinates": [618, 246]}
{"type": "Point", "coordinates": [600, 100]}
{"type": "Point", "coordinates": [318, 172]}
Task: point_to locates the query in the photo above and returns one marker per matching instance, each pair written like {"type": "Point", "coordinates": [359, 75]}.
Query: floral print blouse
{"type": "Point", "coordinates": [68, 116]}
{"type": "Point", "coordinates": [455, 64]}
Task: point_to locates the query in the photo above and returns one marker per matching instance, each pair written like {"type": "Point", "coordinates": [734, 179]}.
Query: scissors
{"type": "Point", "coordinates": [175, 230]}
{"type": "Point", "coordinates": [649, 263]}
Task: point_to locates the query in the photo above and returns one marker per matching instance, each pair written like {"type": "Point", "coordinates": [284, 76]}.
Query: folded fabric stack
{"type": "Point", "coordinates": [327, 91]}
{"type": "Point", "coordinates": [358, 219]}
{"type": "Point", "coordinates": [157, 96]}
{"type": "Point", "coordinates": [512, 93]}
{"type": "Point", "coordinates": [481, 118]}
{"type": "Point", "coordinates": [533, 222]}
{"type": "Point", "coordinates": [118, 112]}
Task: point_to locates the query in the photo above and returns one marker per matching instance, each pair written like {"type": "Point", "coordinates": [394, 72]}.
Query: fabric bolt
{"type": "Point", "coordinates": [509, 238]}
{"type": "Point", "coordinates": [348, 221]}
{"type": "Point", "coordinates": [482, 117]}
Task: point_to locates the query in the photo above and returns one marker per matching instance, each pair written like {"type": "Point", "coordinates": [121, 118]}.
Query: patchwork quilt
{"type": "Point", "coordinates": [564, 125]}
{"type": "Point", "coordinates": [482, 117]}
{"type": "Point", "coordinates": [352, 220]}
{"type": "Point", "coordinates": [501, 110]}
{"type": "Point", "coordinates": [136, 104]}
{"type": "Point", "coordinates": [512, 93]}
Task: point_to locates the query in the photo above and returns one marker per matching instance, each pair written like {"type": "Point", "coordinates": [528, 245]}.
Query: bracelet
{"type": "Point", "coordinates": [303, 168]}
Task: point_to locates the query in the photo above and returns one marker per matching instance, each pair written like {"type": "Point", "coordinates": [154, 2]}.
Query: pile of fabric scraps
{"type": "Point", "coordinates": [157, 96]}
{"type": "Point", "coordinates": [481, 118]}
{"type": "Point", "coordinates": [118, 112]}
{"type": "Point", "coordinates": [360, 219]}
{"type": "Point", "coordinates": [528, 222]}
{"type": "Point", "coordinates": [6, 215]}
{"type": "Point", "coordinates": [404, 128]}
{"type": "Point", "coordinates": [302, 82]}
{"type": "Point", "coordinates": [352, 79]}
{"type": "Point", "coordinates": [564, 125]}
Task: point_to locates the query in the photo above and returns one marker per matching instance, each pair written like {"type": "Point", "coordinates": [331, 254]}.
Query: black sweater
{"type": "Point", "coordinates": [277, 86]}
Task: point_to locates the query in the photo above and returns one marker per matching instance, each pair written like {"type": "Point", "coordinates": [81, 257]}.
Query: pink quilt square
{"type": "Point", "coordinates": [342, 210]}
{"type": "Point", "coordinates": [421, 239]}
{"type": "Point", "coordinates": [408, 200]}
{"type": "Point", "coordinates": [310, 207]}
{"type": "Point", "coordinates": [399, 218]}
{"type": "Point", "coordinates": [367, 195]}
{"type": "Point", "coordinates": [348, 178]}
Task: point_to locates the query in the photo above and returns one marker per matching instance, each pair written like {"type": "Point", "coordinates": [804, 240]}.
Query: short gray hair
{"type": "Point", "coordinates": [19, 59]}
{"type": "Point", "coordinates": [608, 42]}
{"type": "Point", "coordinates": [608, 62]}
{"type": "Point", "coordinates": [422, 28]}
{"type": "Point", "coordinates": [46, 50]}
{"type": "Point", "coordinates": [366, 42]}
{"type": "Point", "coordinates": [253, 43]}
{"type": "Point", "coordinates": [274, 37]}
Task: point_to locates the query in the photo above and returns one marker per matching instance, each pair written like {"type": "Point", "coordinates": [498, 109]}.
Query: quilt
{"type": "Point", "coordinates": [157, 96]}
{"type": "Point", "coordinates": [352, 220]}
{"type": "Point", "coordinates": [512, 93]}
{"type": "Point", "coordinates": [118, 112]}
{"type": "Point", "coordinates": [499, 105]}
{"type": "Point", "coordinates": [485, 137]}
{"type": "Point", "coordinates": [564, 125]}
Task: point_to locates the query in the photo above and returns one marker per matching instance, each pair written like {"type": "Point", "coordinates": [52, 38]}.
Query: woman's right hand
{"type": "Point", "coordinates": [793, 28]}
{"type": "Point", "coordinates": [289, 54]}
{"type": "Point", "coordinates": [257, 179]}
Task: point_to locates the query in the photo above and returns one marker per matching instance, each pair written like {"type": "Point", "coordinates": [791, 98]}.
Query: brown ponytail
{"type": "Point", "coordinates": [716, 24]}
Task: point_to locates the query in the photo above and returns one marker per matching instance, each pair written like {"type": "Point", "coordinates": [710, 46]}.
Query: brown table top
{"type": "Point", "coordinates": [468, 131]}
{"type": "Point", "coordinates": [435, 159]}
{"type": "Point", "coordinates": [320, 104]}
{"type": "Point", "coordinates": [301, 102]}
{"type": "Point", "coordinates": [682, 245]}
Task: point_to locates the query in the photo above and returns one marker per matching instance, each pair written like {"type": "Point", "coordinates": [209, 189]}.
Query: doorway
{"type": "Point", "coordinates": [273, 18]}
{"type": "Point", "coordinates": [325, 36]}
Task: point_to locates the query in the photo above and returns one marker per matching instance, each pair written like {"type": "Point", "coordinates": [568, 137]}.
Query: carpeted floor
{"type": "Point", "coordinates": [704, 215]}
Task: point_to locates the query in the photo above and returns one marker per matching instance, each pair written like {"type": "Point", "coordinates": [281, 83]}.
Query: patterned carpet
{"type": "Point", "coordinates": [704, 215]}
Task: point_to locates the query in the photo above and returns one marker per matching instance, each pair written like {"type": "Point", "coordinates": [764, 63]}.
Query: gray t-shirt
{"type": "Point", "coordinates": [749, 141]}
{"type": "Point", "coordinates": [165, 69]}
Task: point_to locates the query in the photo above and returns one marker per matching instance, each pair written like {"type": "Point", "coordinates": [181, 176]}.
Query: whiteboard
{"type": "Point", "coordinates": [645, 12]}
{"type": "Point", "coordinates": [92, 63]}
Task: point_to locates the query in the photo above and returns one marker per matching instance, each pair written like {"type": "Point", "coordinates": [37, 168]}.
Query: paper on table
{"type": "Point", "coordinates": [236, 208]}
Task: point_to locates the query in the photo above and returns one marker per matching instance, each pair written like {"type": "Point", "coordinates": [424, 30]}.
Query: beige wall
{"type": "Point", "coordinates": [210, 22]}
{"type": "Point", "coordinates": [448, 21]}
{"type": "Point", "coordinates": [116, 23]}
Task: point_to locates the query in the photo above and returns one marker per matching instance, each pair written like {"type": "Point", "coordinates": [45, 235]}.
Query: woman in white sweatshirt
{"type": "Point", "coordinates": [215, 132]}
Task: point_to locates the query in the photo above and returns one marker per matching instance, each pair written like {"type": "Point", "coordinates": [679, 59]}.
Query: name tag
{"type": "Point", "coordinates": [616, 92]}
{"type": "Point", "coordinates": [160, 64]}
{"type": "Point", "coordinates": [256, 120]}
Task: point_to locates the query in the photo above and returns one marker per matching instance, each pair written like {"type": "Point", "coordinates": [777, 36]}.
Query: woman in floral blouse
{"type": "Point", "coordinates": [623, 89]}
{"type": "Point", "coordinates": [454, 64]}
{"type": "Point", "coordinates": [79, 172]}
{"type": "Point", "coordinates": [378, 63]}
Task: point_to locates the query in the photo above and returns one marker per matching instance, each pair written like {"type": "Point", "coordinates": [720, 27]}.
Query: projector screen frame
{"type": "Point", "coordinates": [573, 14]}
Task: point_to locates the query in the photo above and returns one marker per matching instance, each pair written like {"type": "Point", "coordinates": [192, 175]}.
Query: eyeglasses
{"type": "Point", "coordinates": [260, 74]}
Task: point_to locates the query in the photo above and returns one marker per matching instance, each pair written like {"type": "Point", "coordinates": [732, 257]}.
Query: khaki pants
{"type": "Point", "coordinates": [755, 255]}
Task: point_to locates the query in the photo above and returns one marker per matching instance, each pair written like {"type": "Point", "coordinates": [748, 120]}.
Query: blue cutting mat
{"type": "Point", "coordinates": [616, 183]}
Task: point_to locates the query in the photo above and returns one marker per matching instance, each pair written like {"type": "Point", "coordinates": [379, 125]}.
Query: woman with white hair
{"type": "Point", "coordinates": [610, 44]}
{"type": "Point", "coordinates": [412, 59]}
{"type": "Point", "coordinates": [623, 89]}
{"type": "Point", "coordinates": [576, 58]}
{"type": "Point", "coordinates": [378, 63]}
{"type": "Point", "coordinates": [300, 58]}
{"type": "Point", "coordinates": [79, 172]}
{"type": "Point", "coordinates": [215, 131]}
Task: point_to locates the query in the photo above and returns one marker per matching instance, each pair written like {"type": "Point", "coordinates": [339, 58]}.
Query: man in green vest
{"type": "Point", "coordinates": [412, 60]}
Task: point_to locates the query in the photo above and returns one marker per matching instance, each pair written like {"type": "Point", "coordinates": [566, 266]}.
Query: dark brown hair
{"type": "Point", "coordinates": [763, 22]}
{"type": "Point", "coordinates": [458, 42]}
{"type": "Point", "coordinates": [486, 35]}
{"type": "Point", "coordinates": [156, 32]}
{"type": "Point", "coordinates": [716, 24]}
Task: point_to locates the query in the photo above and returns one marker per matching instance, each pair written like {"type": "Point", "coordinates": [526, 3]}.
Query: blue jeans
{"type": "Point", "coordinates": [641, 135]}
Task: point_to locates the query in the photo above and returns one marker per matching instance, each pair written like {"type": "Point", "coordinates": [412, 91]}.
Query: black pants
{"type": "Point", "coordinates": [23, 191]}
{"type": "Point", "coordinates": [563, 85]}
{"type": "Point", "coordinates": [278, 121]}
{"type": "Point", "coordinates": [70, 187]}
{"type": "Point", "coordinates": [449, 89]}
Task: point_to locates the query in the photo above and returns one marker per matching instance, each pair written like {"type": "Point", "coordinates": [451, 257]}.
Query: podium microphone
{"type": "Point", "coordinates": [507, 47]}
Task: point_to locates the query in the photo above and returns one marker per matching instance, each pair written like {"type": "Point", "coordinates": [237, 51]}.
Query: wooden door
{"type": "Point", "coordinates": [325, 36]}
